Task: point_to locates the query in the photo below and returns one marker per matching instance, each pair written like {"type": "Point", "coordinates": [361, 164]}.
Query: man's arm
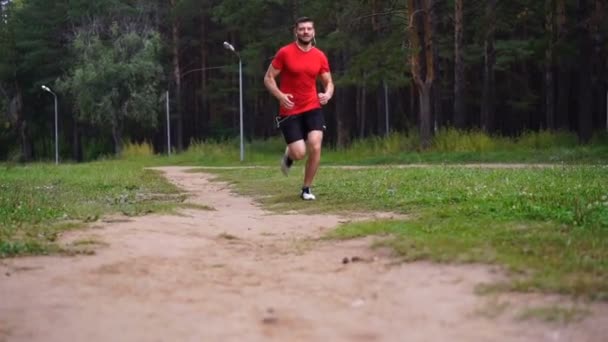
{"type": "Point", "coordinates": [271, 84]}
{"type": "Point", "coordinates": [328, 85]}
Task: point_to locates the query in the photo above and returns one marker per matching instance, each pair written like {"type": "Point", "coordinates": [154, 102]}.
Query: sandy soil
{"type": "Point", "coordinates": [239, 273]}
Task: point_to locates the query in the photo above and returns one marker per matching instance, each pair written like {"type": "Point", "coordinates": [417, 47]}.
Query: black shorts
{"type": "Point", "coordinates": [296, 127]}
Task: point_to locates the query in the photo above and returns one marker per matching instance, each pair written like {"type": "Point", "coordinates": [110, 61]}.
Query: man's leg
{"type": "Point", "coordinates": [314, 142]}
{"type": "Point", "coordinates": [297, 150]}
{"type": "Point", "coordinates": [293, 133]}
{"type": "Point", "coordinates": [294, 151]}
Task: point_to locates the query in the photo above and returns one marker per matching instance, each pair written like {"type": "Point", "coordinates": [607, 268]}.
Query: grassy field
{"type": "Point", "coordinates": [547, 226]}
{"type": "Point", "coordinates": [37, 202]}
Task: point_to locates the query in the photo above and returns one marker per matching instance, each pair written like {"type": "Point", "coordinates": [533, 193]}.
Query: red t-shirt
{"type": "Point", "coordinates": [299, 71]}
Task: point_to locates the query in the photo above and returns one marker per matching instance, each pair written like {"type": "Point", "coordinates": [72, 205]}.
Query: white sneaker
{"type": "Point", "coordinates": [307, 195]}
{"type": "Point", "coordinates": [286, 162]}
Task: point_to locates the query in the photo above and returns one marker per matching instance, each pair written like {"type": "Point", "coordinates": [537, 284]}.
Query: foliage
{"type": "Point", "coordinates": [103, 89]}
{"type": "Point", "coordinates": [452, 140]}
{"type": "Point", "coordinates": [546, 139]}
{"type": "Point", "coordinates": [116, 81]}
{"type": "Point", "coordinates": [392, 144]}
{"type": "Point", "coordinates": [134, 150]}
{"type": "Point", "coordinates": [39, 42]}
{"type": "Point", "coordinates": [450, 146]}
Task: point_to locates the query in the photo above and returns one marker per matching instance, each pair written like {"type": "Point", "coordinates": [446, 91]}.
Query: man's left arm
{"type": "Point", "coordinates": [328, 85]}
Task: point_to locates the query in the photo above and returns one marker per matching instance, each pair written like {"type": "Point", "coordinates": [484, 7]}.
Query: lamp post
{"type": "Point", "coordinates": [168, 125]}
{"type": "Point", "coordinates": [229, 46]}
{"type": "Point", "coordinates": [47, 89]}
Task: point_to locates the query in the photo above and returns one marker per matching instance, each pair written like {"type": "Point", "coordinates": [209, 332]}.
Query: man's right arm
{"type": "Point", "coordinates": [271, 84]}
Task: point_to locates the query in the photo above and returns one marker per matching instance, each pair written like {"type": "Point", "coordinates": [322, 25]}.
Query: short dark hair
{"type": "Point", "coordinates": [302, 20]}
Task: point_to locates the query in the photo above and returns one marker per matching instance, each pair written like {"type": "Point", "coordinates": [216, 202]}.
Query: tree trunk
{"type": "Point", "coordinates": [204, 77]}
{"type": "Point", "coordinates": [117, 142]}
{"type": "Point", "coordinates": [436, 107]}
{"type": "Point", "coordinates": [562, 112]}
{"type": "Point", "coordinates": [598, 17]}
{"type": "Point", "coordinates": [340, 131]}
{"type": "Point", "coordinates": [424, 95]}
{"type": "Point", "coordinates": [295, 8]}
{"type": "Point", "coordinates": [177, 80]}
{"type": "Point", "coordinates": [422, 57]}
{"type": "Point", "coordinates": [489, 83]}
{"type": "Point", "coordinates": [374, 18]}
{"type": "Point", "coordinates": [342, 113]}
{"type": "Point", "coordinates": [436, 110]}
{"type": "Point", "coordinates": [17, 118]}
{"type": "Point", "coordinates": [549, 82]}
{"type": "Point", "coordinates": [361, 108]}
{"type": "Point", "coordinates": [358, 111]}
{"type": "Point", "coordinates": [343, 136]}
{"type": "Point", "coordinates": [27, 151]}
{"type": "Point", "coordinates": [459, 71]}
{"type": "Point", "coordinates": [77, 154]}
{"type": "Point", "coordinates": [585, 98]}
{"type": "Point", "coordinates": [414, 108]}
{"type": "Point", "coordinates": [380, 128]}
{"type": "Point", "coordinates": [117, 137]}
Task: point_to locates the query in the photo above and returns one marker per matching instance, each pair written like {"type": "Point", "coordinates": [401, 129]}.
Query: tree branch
{"type": "Point", "coordinates": [376, 14]}
{"type": "Point", "coordinates": [412, 17]}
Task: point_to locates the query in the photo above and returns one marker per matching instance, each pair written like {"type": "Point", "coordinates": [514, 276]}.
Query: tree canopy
{"type": "Point", "coordinates": [501, 66]}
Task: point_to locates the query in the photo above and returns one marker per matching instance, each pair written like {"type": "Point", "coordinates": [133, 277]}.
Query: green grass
{"type": "Point", "coordinates": [554, 314]}
{"type": "Point", "coordinates": [38, 202]}
{"type": "Point", "coordinates": [548, 227]}
{"type": "Point", "coordinates": [449, 147]}
{"type": "Point", "coordinates": [137, 151]}
{"type": "Point", "coordinates": [452, 146]}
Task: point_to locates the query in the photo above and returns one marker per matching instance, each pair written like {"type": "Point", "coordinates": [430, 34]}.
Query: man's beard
{"type": "Point", "coordinates": [303, 42]}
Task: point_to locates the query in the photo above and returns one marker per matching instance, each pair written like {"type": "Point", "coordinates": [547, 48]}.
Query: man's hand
{"type": "Point", "coordinates": [324, 98]}
{"type": "Point", "coordinates": [286, 100]}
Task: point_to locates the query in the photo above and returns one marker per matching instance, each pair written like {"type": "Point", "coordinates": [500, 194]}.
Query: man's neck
{"type": "Point", "coordinates": [303, 47]}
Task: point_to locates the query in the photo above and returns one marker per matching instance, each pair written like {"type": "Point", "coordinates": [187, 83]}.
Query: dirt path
{"type": "Point", "coordinates": [238, 273]}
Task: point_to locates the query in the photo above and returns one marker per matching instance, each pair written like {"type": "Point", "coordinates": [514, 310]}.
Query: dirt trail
{"type": "Point", "coordinates": [239, 273]}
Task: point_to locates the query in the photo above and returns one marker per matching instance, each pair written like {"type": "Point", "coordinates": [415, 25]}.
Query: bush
{"type": "Point", "coordinates": [453, 140]}
{"type": "Point", "coordinates": [546, 139]}
{"type": "Point", "coordinates": [380, 145]}
{"type": "Point", "coordinates": [134, 150]}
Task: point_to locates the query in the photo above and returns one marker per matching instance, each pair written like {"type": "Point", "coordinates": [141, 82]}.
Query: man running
{"type": "Point", "coordinates": [300, 117]}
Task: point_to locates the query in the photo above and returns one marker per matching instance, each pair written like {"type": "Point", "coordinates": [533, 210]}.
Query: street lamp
{"type": "Point", "coordinates": [229, 46]}
{"type": "Point", "coordinates": [47, 89]}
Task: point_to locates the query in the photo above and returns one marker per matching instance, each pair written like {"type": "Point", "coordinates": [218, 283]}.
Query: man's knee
{"type": "Point", "coordinates": [314, 147]}
{"type": "Point", "coordinates": [297, 151]}
{"type": "Point", "coordinates": [298, 154]}
{"type": "Point", "coordinates": [315, 141]}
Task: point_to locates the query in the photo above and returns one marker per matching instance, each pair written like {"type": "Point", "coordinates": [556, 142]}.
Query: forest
{"type": "Point", "coordinates": [116, 68]}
